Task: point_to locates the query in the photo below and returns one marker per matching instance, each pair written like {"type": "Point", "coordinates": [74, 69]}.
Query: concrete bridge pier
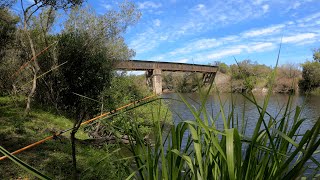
{"type": "Point", "coordinates": [157, 81]}
{"type": "Point", "coordinates": [154, 80]}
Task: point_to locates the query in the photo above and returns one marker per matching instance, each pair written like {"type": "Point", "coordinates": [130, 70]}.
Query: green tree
{"type": "Point", "coordinates": [224, 68]}
{"type": "Point", "coordinates": [7, 30]}
{"type": "Point", "coordinates": [7, 41]}
{"type": "Point", "coordinates": [310, 75]}
{"type": "Point", "coordinates": [316, 55]}
{"type": "Point", "coordinates": [91, 44]}
{"type": "Point", "coordinates": [28, 13]}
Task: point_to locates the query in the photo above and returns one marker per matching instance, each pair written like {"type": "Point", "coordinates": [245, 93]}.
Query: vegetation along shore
{"type": "Point", "coordinates": [67, 113]}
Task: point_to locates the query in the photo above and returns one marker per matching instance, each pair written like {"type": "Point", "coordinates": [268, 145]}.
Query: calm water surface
{"type": "Point", "coordinates": [244, 109]}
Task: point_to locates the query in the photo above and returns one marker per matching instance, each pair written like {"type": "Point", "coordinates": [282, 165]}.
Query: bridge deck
{"type": "Point", "coordinates": [137, 65]}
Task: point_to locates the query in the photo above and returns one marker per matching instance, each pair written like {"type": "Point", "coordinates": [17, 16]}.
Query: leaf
{"type": "Point", "coordinates": [22, 164]}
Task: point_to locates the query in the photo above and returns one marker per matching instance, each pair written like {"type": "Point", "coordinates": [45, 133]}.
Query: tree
{"type": "Point", "coordinates": [90, 44]}
{"type": "Point", "coordinates": [311, 73]}
{"type": "Point", "coordinates": [224, 68]}
{"type": "Point", "coordinates": [7, 38]}
{"type": "Point", "coordinates": [316, 55]}
{"type": "Point", "coordinates": [6, 4]}
{"type": "Point", "coordinates": [27, 15]}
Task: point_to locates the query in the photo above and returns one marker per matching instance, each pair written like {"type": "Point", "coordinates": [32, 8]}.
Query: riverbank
{"type": "Point", "coordinates": [52, 158]}
{"type": "Point", "coordinates": [224, 82]}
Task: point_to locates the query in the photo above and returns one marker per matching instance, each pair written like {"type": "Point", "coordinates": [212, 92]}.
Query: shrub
{"type": "Point", "coordinates": [310, 75]}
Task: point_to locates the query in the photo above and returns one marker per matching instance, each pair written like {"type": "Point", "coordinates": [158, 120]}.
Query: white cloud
{"type": "Point", "coordinates": [296, 5]}
{"type": "Point", "coordinates": [264, 31]}
{"type": "Point", "coordinates": [200, 7]}
{"type": "Point", "coordinates": [149, 5]}
{"type": "Point", "coordinates": [257, 2]}
{"type": "Point", "coordinates": [185, 60]}
{"type": "Point", "coordinates": [309, 18]}
{"type": "Point", "coordinates": [265, 8]}
{"type": "Point", "coordinates": [106, 6]}
{"type": "Point", "coordinates": [223, 53]}
{"type": "Point", "coordinates": [145, 41]}
{"type": "Point", "coordinates": [305, 42]}
{"type": "Point", "coordinates": [201, 18]}
{"type": "Point", "coordinates": [260, 47]}
{"type": "Point", "coordinates": [298, 38]}
{"type": "Point", "coordinates": [198, 45]}
{"type": "Point", "coordinates": [157, 22]}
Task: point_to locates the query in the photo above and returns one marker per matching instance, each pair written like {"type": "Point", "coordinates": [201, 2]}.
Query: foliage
{"type": "Point", "coordinates": [53, 157]}
{"type": "Point", "coordinates": [87, 72]}
{"type": "Point", "coordinates": [168, 81]}
{"type": "Point", "coordinates": [310, 75]}
{"type": "Point", "coordinates": [181, 82]}
{"type": "Point", "coordinates": [224, 68]}
{"type": "Point", "coordinates": [7, 30]}
{"type": "Point", "coordinates": [57, 4]}
{"type": "Point", "coordinates": [287, 79]}
{"type": "Point", "coordinates": [272, 152]}
{"type": "Point", "coordinates": [245, 75]}
{"type": "Point", "coordinates": [22, 164]}
{"type": "Point", "coordinates": [123, 90]}
{"type": "Point", "coordinates": [7, 56]}
{"type": "Point", "coordinates": [316, 55]}
{"type": "Point", "coordinates": [83, 58]}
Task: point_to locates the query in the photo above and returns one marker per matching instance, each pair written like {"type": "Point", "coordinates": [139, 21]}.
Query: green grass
{"type": "Point", "coordinates": [276, 149]}
{"type": "Point", "coordinates": [52, 158]}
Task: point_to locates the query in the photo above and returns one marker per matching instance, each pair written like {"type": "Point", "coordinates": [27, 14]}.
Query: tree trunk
{"type": "Point", "coordinates": [76, 126]}
{"type": "Point", "coordinates": [35, 66]}
{"type": "Point", "coordinates": [74, 158]}
{"type": "Point", "coordinates": [33, 89]}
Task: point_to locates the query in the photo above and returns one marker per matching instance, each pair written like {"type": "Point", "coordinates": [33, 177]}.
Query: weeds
{"type": "Point", "coordinates": [275, 150]}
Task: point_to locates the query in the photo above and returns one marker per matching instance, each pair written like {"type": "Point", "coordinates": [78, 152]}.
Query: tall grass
{"type": "Point", "coordinates": [275, 150]}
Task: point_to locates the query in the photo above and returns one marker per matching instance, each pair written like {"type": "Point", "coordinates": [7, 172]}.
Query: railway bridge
{"type": "Point", "coordinates": [154, 69]}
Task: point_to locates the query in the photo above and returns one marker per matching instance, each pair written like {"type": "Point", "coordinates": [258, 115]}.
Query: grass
{"type": "Point", "coordinates": [53, 158]}
{"type": "Point", "coordinates": [275, 150]}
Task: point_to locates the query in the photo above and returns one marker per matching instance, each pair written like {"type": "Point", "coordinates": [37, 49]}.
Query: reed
{"type": "Point", "coordinates": [275, 150]}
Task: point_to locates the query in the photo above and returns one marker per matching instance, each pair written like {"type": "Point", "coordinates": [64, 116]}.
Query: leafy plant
{"type": "Point", "coordinates": [23, 165]}
{"type": "Point", "coordinates": [276, 149]}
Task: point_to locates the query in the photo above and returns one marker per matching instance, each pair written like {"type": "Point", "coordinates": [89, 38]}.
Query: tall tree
{"type": "Point", "coordinates": [7, 28]}
{"type": "Point", "coordinates": [28, 12]}
{"type": "Point", "coordinates": [91, 43]}
{"type": "Point", "coordinates": [7, 38]}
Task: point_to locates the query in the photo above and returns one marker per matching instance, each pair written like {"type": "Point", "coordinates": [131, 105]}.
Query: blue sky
{"type": "Point", "coordinates": [201, 32]}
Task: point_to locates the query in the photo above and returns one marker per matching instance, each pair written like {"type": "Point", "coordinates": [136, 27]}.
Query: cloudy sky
{"type": "Point", "coordinates": [201, 32]}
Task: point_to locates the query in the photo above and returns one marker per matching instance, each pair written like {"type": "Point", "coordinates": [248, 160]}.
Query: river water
{"type": "Point", "coordinates": [244, 109]}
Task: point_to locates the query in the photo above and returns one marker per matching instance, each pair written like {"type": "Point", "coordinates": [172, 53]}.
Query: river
{"type": "Point", "coordinates": [244, 109]}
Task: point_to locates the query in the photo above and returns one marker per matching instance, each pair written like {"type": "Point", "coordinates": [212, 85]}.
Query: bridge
{"type": "Point", "coordinates": [154, 69]}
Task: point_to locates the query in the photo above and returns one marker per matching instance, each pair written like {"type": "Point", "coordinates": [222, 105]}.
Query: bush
{"type": "Point", "coordinates": [287, 79]}
{"type": "Point", "coordinates": [310, 75]}
{"type": "Point", "coordinates": [123, 90]}
{"type": "Point", "coordinates": [224, 68]}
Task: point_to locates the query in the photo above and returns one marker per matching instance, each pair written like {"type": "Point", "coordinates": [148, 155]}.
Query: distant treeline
{"type": "Point", "coordinates": [247, 75]}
